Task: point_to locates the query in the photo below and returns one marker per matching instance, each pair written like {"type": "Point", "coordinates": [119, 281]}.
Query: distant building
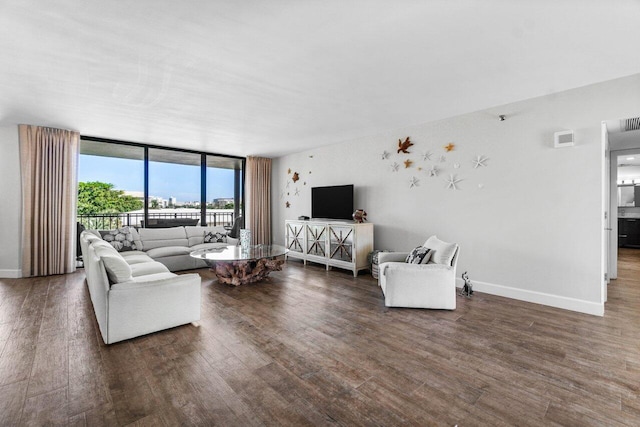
{"type": "Point", "coordinates": [220, 203]}
{"type": "Point", "coordinates": [173, 201]}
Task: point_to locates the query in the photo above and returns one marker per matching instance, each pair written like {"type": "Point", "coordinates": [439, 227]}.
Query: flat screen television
{"type": "Point", "coordinates": [334, 202]}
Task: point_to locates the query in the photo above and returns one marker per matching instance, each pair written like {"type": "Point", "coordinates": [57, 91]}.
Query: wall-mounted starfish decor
{"type": "Point", "coordinates": [289, 171]}
{"type": "Point", "coordinates": [426, 156]}
{"type": "Point", "coordinates": [449, 147]}
{"type": "Point", "coordinates": [288, 204]}
{"type": "Point", "coordinates": [452, 182]}
{"type": "Point", "coordinates": [433, 171]}
{"type": "Point", "coordinates": [407, 163]}
{"type": "Point", "coordinates": [395, 167]}
{"type": "Point", "coordinates": [479, 161]}
{"type": "Point", "coordinates": [296, 192]}
{"type": "Point", "coordinates": [404, 146]}
{"type": "Point", "coordinates": [413, 182]}
{"type": "Point", "coordinates": [384, 155]}
{"type": "Point", "coordinates": [443, 158]}
{"type": "Point", "coordinates": [295, 177]}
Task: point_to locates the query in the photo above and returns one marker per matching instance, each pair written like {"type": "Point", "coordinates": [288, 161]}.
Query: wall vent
{"type": "Point", "coordinates": [631, 124]}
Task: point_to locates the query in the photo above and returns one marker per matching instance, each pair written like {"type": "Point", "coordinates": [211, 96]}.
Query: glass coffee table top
{"type": "Point", "coordinates": [239, 253]}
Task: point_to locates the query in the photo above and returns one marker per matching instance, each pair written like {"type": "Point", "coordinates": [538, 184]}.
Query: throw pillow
{"type": "Point", "coordinates": [121, 239]}
{"type": "Point", "coordinates": [419, 255]}
{"type": "Point", "coordinates": [117, 268]}
{"type": "Point", "coordinates": [216, 237]}
{"type": "Point", "coordinates": [443, 252]}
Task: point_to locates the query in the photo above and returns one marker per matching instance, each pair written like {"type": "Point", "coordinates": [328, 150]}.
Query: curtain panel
{"type": "Point", "coordinates": [258, 208]}
{"type": "Point", "coordinates": [48, 164]}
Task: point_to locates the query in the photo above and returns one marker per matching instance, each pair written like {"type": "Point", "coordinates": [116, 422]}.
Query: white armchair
{"type": "Point", "coordinates": [431, 285]}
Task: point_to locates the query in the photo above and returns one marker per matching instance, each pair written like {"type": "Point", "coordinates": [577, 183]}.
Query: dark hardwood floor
{"type": "Point", "coordinates": [309, 347]}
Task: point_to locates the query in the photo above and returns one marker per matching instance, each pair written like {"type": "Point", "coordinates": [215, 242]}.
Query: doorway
{"type": "Point", "coordinates": [624, 190]}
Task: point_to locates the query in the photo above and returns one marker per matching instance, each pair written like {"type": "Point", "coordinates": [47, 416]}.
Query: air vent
{"type": "Point", "coordinates": [631, 124]}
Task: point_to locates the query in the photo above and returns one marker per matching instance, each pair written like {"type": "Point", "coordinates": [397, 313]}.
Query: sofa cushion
{"type": "Point", "coordinates": [117, 268]}
{"type": "Point", "coordinates": [121, 238]}
{"type": "Point", "coordinates": [168, 251]}
{"type": "Point", "coordinates": [136, 257]}
{"type": "Point", "coordinates": [160, 237]}
{"type": "Point", "coordinates": [143, 279]}
{"type": "Point", "coordinates": [195, 235]}
{"type": "Point", "coordinates": [443, 252]}
{"type": "Point", "coordinates": [146, 268]}
{"type": "Point", "coordinates": [208, 246]}
{"type": "Point", "coordinates": [419, 255]}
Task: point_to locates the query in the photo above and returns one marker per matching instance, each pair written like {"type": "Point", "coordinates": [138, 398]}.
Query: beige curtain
{"type": "Point", "coordinates": [258, 182]}
{"type": "Point", "coordinates": [48, 162]}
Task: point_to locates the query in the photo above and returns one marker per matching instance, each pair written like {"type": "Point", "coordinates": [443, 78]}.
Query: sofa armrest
{"type": "Point", "coordinates": [391, 257]}
{"type": "Point", "coordinates": [139, 308]}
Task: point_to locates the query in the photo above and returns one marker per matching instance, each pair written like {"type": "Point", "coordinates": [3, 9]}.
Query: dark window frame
{"type": "Point", "coordinates": [239, 201]}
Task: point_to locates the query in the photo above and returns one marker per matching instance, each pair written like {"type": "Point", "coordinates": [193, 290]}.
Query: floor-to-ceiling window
{"type": "Point", "coordinates": [143, 186]}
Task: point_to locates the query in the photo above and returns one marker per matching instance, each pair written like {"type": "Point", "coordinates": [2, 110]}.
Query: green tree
{"type": "Point", "coordinates": [100, 197]}
{"type": "Point", "coordinates": [229, 205]}
{"type": "Point", "coordinates": [155, 204]}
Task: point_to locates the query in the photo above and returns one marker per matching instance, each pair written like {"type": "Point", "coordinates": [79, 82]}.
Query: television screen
{"type": "Point", "coordinates": [335, 202]}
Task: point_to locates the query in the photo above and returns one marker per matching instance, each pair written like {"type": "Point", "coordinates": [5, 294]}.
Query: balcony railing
{"type": "Point", "coordinates": [136, 219]}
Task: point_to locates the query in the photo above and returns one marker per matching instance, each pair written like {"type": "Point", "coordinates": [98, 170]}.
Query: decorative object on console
{"type": "Point", "coordinates": [419, 255]}
{"type": "Point", "coordinates": [121, 239]}
{"type": "Point", "coordinates": [404, 146]}
{"type": "Point", "coordinates": [216, 237]}
{"type": "Point", "coordinates": [245, 237]}
{"type": "Point", "coordinates": [467, 289]}
{"type": "Point", "coordinates": [449, 147]}
{"type": "Point", "coordinates": [359, 216]}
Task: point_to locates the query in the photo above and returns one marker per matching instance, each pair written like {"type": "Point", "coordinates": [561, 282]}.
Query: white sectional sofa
{"type": "Point", "coordinates": [135, 292]}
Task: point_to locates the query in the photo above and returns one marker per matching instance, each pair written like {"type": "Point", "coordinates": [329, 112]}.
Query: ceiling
{"type": "Point", "coordinates": [273, 77]}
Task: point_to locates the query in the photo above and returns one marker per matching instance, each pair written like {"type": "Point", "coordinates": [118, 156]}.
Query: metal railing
{"type": "Point", "coordinates": [136, 219]}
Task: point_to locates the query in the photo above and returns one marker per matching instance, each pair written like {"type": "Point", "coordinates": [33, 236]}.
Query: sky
{"type": "Point", "coordinates": [165, 179]}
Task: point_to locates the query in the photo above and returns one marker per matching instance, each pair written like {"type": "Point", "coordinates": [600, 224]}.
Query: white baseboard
{"type": "Point", "coordinates": [573, 304]}
{"type": "Point", "coordinates": [10, 274]}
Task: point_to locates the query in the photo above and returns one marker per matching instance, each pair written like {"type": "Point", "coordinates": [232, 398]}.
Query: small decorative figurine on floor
{"type": "Point", "coordinates": [467, 289]}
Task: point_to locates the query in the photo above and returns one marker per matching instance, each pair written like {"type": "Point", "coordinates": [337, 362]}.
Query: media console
{"type": "Point", "coordinates": [341, 244]}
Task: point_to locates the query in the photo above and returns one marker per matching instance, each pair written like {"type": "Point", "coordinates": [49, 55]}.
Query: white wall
{"type": "Point", "coordinates": [10, 202]}
{"type": "Point", "coordinates": [532, 232]}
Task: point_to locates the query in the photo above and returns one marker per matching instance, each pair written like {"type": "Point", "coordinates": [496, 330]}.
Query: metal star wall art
{"type": "Point", "coordinates": [287, 186]}
{"type": "Point", "coordinates": [452, 182]}
{"type": "Point", "coordinates": [433, 171]}
{"type": "Point", "coordinates": [426, 156]}
{"type": "Point", "coordinates": [413, 182]}
{"type": "Point", "coordinates": [443, 158]}
{"type": "Point", "coordinates": [296, 192]}
{"type": "Point", "coordinates": [384, 155]}
{"type": "Point", "coordinates": [479, 161]}
{"type": "Point", "coordinates": [407, 163]}
{"type": "Point", "coordinates": [394, 167]}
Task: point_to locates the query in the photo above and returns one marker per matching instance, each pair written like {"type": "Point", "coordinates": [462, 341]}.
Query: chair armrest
{"type": "Point", "coordinates": [177, 280]}
{"type": "Point", "coordinates": [392, 257]}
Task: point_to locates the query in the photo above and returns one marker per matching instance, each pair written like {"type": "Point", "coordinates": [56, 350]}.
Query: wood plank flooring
{"type": "Point", "coordinates": [310, 347]}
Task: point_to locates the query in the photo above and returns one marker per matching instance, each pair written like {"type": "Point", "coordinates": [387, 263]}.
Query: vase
{"type": "Point", "coordinates": [245, 238]}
